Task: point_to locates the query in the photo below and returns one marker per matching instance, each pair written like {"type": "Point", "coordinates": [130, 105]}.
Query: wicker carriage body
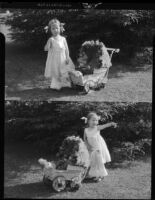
{"type": "Point", "coordinates": [60, 179]}
{"type": "Point", "coordinates": [68, 174]}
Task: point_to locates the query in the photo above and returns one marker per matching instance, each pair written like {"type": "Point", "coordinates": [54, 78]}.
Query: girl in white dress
{"type": "Point", "coordinates": [98, 151]}
{"type": "Point", "coordinates": [58, 62]}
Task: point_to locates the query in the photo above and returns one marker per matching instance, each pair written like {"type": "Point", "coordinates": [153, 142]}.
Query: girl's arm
{"type": "Point", "coordinates": [66, 49]}
{"type": "Point", "coordinates": [86, 142]}
{"type": "Point", "coordinates": [48, 45]}
{"type": "Point", "coordinates": [101, 127]}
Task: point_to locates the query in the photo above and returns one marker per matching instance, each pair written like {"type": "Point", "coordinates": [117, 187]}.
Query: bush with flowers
{"type": "Point", "coordinates": [92, 55]}
{"type": "Point", "coordinates": [143, 57]}
{"type": "Point", "coordinates": [132, 151]}
{"type": "Point", "coordinates": [72, 151]}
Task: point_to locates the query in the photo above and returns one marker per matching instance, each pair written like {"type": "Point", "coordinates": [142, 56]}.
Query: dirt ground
{"type": "Point", "coordinates": [23, 179]}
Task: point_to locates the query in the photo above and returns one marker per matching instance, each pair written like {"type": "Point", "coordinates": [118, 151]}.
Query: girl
{"type": "Point", "coordinates": [98, 151]}
{"type": "Point", "coordinates": [58, 62]}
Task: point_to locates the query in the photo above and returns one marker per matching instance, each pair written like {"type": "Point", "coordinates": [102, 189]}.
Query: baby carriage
{"type": "Point", "coordinates": [60, 180]}
{"type": "Point", "coordinates": [93, 69]}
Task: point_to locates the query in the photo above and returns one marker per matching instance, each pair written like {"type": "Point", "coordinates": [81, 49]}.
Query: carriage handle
{"type": "Point", "coordinates": [113, 51]}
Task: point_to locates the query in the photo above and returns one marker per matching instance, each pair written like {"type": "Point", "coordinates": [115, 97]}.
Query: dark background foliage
{"type": "Point", "coordinates": [46, 125]}
{"type": "Point", "coordinates": [128, 30]}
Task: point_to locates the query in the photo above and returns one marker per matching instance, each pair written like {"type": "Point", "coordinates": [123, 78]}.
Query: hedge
{"type": "Point", "coordinates": [47, 124]}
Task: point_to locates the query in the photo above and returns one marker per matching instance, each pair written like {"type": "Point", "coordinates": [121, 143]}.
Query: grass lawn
{"type": "Point", "coordinates": [24, 69]}
{"type": "Point", "coordinates": [23, 179]}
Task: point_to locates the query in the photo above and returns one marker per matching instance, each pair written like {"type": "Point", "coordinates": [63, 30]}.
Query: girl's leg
{"type": "Point", "coordinates": [55, 84]}
{"type": "Point", "coordinates": [87, 175]}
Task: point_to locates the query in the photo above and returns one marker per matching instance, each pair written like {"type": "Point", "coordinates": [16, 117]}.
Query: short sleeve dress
{"type": "Point", "coordinates": [56, 67]}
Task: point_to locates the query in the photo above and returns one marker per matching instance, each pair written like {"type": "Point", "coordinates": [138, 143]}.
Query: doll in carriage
{"type": "Point", "coordinates": [93, 66]}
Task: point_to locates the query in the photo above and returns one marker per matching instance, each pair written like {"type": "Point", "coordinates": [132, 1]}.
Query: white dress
{"type": "Point", "coordinates": [56, 67]}
{"type": "Point", "coordinates": [99, 153]}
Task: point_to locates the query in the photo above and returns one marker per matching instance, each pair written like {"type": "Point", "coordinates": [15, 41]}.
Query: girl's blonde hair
{"type": "Point", "coordinates": [89, 116]}
{"type": "Point", "coordinates": [56, 22]}
{"type": "Point", "coordinates": [92, 114]}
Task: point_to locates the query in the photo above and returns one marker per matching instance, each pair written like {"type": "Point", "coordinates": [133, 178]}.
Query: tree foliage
{"type": "Point", "coordinates": [47, 124]}
{"type": "Point", "coordinates": [124, 29]}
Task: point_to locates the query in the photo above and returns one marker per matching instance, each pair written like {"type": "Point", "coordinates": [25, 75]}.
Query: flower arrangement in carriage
{"type": "Point", "coordinates": [92, 56]}
{"type": "Point", "coordinates": [71, 166]}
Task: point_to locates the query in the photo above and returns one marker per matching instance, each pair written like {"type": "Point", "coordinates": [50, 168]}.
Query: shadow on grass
{"type": "Point", "coordinates": [19, 159]}
{"type": "Point", "coordinates": [120, 164]}
{"type": "Point", "coordinates": [126, 163]}
{"type": "Point", "coordinates": [30, 190]}
{"type": "Point", "coordinates": [88, 180]}
{"type": "Point", "coordinates": [118, 70]}
{"type": "Point", "coordinates": [45, 94]}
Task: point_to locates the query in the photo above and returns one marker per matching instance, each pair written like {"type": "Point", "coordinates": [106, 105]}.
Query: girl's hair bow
{"type": "Point", "coordinates": [62, 27]}
{"type": "Point", "coordinates": [85, 119]}
{"type": "Point", "coordinates": [99, 117]}
{"type": "Point", "coordinates": [46, 29]}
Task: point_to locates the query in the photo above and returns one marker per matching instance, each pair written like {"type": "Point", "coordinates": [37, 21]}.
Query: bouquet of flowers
{"type": "Point", "coordinates": [72, 151]}
{"type": "Point", "coordinates": [93, 54]}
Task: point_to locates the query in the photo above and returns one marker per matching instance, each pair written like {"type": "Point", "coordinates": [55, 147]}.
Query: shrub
{"type": "Point", "coordinates": [145, 145]}
{"type": "Point", "coordinates": [124, 29]}
{"type": "Point", "coordinates": [46, 125]}
{"type": "Point", "coordinates": [131, 151]}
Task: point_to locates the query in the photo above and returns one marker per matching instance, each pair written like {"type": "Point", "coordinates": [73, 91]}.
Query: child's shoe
{"type": "Point", "coordinates": [97, 179]}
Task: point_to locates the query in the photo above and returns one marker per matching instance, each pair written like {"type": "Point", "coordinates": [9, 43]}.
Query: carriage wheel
{"type": "Point", "coordinates": [86, 88]}
{"type": "Point", "coordinates": [83, 175]}
{"type": "Point", "coordinates": [59, 183]}
{"type": "Point", "coordinates": [74, 185]}
{"type": "Point", "coordinates": [46, 181]}
{"type": "Point", "coordinates": [87, 85]}
{"type": "Point", "coordinates": [102, 85]}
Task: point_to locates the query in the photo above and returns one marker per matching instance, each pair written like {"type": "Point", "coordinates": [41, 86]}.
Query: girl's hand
{"type": "Point", "coordinates": [114, 124]}
{"type": "Point", "coordinates": [48, 45]}
{"type": "Point", "coordinates": [89, 147]}
{"type": "Point", "coordinates": [67, 61]}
